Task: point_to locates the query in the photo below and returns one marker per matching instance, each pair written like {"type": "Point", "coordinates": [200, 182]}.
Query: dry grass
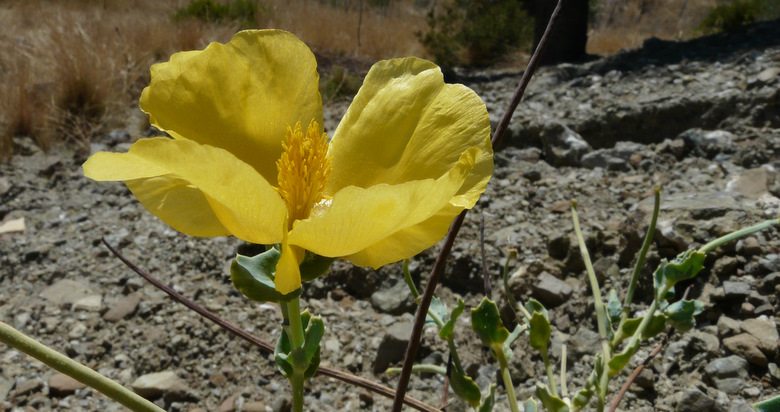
{"type": "Point", "coordinates": [384, 33]}
{"type": "Point", "coordinates": [620, 24]}
{"type": "Point", "coordinates": [72, 69]}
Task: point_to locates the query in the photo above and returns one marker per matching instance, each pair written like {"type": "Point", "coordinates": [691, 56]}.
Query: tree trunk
{"type": "Point", "coordinates": [570, 35]}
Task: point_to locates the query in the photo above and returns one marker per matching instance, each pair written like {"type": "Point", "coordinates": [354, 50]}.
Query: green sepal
{"type": "Point", "coordinates": [254, 277]}
{"type": "Point", "coordinates": [487, 324]}
{"type": "Point", "coordinates": [681, 314]}
{"type": "Point", "coordinates": [446, 331]}
{"type": "Point", "coordinates": [685, 266]}
{"type": "Point", "coordinates": [437, 308]}
{"type": "Point", "coordinates": [490, 399]}
{"type": "Point", "coordinates": [530, 406]}
{"type": "Point", "coordinates": [550, 402]}
{"type": "Point", "coordinates": [465, 388]}
{"type": "Point", "coordinates": [314, 266]}
{"type": "Point", "coordinates": [539, 332]}
{"type": "Point", "coordinates": [614, 308]}
{"type": "Point", "coordinates": [308, 356]}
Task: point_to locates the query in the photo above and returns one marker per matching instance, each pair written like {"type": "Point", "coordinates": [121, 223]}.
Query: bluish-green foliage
{"type": "Point", "coordinates": [243, 11]}
{"type": "Point", "coordinates": [476, 32]}
{"type": "Point", "coordinates": [729, 17]}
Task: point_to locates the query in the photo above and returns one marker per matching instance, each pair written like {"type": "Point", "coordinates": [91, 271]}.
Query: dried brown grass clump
{"type": "Point", "coordinates": [620, 24]}
{"type": "Point", "coordinates": [69, 70]}
{"type": "Point", "coordinates": [384, 32]}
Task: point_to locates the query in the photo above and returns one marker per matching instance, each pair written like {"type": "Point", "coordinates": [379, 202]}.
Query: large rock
{"type": "Point", "coordinates": [752, 184]}
{"type": "Point", "coordinates": [123, 308]}
{"type": "Point", "coordinates": [393, 345]}
{"type": "Point", "coordinates": [394, 300]}
{"type": "Point", "coordinates": [765, 331]}
{"type": "Point", "coordinates": [166, 384]}
{"type": "Point", "coordinates": [66, 291]}
{"type": "Point", "coordinates": [709, 143]}
{"type": "Point", "coordinates": [615, 158]}
{"type": "Point", "coordinates": [695, 400]}
{"type": "Point", "coordinates": [61, 384]}
{"type": "Point", "coordinates": [563, 146]}
{"type": "Point", "coordinates": [746, 346]}
{"type": "Point", "coordinates": [550, 290]}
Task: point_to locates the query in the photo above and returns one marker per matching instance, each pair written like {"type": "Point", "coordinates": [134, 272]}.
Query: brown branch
{"type": "Point", "coordinates": [438, 267]}
{"type": "Point", "coordinates": [263, 344]}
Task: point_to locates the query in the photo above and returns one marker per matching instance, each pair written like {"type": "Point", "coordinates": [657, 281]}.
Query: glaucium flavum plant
{"type": "Point", "coordinates": [247, 156]}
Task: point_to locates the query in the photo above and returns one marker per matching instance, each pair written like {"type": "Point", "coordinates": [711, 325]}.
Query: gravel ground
{"type": "Point", "coordinates": [702, 120]}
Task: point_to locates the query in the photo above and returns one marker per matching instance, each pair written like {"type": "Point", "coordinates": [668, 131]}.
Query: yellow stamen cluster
{"type": "Point", "coordinates": [303, 170]}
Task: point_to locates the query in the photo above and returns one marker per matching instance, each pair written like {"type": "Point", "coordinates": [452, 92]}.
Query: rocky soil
{"type": "Point", "coordinates": [701, 119]}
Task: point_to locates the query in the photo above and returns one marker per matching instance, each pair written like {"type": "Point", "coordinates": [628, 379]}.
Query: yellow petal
{"type": "Point", "coordinates": [406, 124]}
{"type": "Point", "coordinates": [239, 96]}
{"type": "Point", "coordinates": [359, 218]}
{"type": "Point", "coordinates": [407, 242]}
{"type": "Point", "coordinates": [288, 273]}
{"type": "Point", "coordinates": [197, 189]}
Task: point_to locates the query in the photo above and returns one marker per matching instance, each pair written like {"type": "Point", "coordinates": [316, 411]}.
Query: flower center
{"type": "Point", "coordinates": [303, 170]}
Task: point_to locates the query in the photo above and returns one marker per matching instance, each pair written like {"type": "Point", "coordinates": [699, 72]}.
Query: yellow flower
{"type": "Point", "coordinates": [249, 157]}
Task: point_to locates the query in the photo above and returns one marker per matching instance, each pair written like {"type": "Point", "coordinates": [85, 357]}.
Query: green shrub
{"type": "Point", "coordinates": [337, 83]}
{"type": "Point", "coordinates": [475, 32]}
{"type": "Point", "coordinates": [728, 17]}
{"type": "Point", "coordinates": [243, 11]}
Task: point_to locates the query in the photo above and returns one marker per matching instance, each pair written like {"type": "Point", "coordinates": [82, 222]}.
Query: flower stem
{"type": "Point", "coordinates": [294, 326]}
{"type": "Point", "coordinates": [81, 373]}
{"type": "Point", "coordinates": [601, 315]}
{"type": "Point", "coordinates": [508, 385]}
{"type": "Point", "coordinates": [291, 310]}
{"type": "Point", "coordinates": [296, 380]}
{"type": "Point", "coordinates": [738, 234]}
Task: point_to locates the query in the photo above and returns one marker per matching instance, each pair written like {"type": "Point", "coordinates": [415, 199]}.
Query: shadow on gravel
{"type": "Point", "coordinates": [712, 48]}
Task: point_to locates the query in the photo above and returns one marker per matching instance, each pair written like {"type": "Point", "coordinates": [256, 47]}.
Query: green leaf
{"type": "Point", "coordinates": [437, 308]}
{"type": "Point", "coordinates": [487, 324]}
{"type": "Point", "coordinates": [656, 326]}
{"type": "Point", "coordinates": [465, 388]}
{"type": "Point", "coordinates": [539, 332]}
{"type": "Point", "coordinates": [534, 305]}
{"type": "Point", "coordinates": [550, 402]}
{"type": "Point", "coordinates": [685, 266]}
{"type": "Point", "coordinates": [490, 399]}
{"type": "Point", "coordinates": [254, 277]}
{"type": "Point", "coordinates": [582, 398]}
{"type": "Point", "coordinates": [530, 406]}
{"type": "Point", "coordinates": [769, 405]}
{"type": "Point", "coordinates": [619, 361]}
{"type": "Point", "coordinates": [314, 266]}
{"type": "Point", "coordinates": [681, 314]}
{"type": "Point", "coordinates": [446, 331]}
{"type": "Point", "coordinates": [614, 307]}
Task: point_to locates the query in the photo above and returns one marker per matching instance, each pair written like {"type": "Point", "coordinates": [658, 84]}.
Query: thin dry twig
{"type": "Point", "coordinates": [438, 267]}
{"type": "Point", "coordinates": [263, 344]}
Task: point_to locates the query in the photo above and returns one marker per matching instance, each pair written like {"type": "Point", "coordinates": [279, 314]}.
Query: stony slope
{"type": "Point", "coordinates": [59, 283]}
